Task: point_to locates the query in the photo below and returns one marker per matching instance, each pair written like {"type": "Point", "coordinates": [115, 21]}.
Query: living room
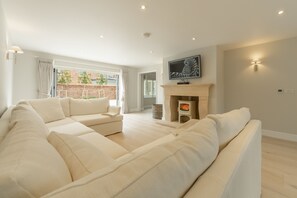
{"type": "Point", "coordinates": [255, 70]}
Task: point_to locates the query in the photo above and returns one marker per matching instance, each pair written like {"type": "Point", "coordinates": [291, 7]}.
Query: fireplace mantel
{"type": "Point", "coordinates": [192, 90]}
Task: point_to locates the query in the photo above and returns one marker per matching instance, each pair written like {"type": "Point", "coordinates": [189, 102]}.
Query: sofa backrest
{"type": "Point", "coordinates": [53, 109]}
{"type": "Point", "coordinates": [4, 122]}
{"type": "Point", "coordinates": [65, 103]}
{"type": "Point", "coordinates": [88, 106]}
{"type": "Point", "coordinates": [29, 165]}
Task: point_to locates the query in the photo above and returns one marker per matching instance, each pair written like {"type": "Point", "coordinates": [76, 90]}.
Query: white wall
{"type": "Point", "coordinates": [24, 77]}
{"type": "Point", "coordinates": [5, 66]}
{"type": "Point", "coordinates": [148, 102]}
{"type": "Point", "coordinates": [258, 90]}
{"type": "Point", "coordinates": [210, 58]}
{"type": "Point", "coordinates": [220, 81]}
{"type": "Point", "coordinates": [25, 74]}
{"type": "Point", "coordinates": [132, 90]}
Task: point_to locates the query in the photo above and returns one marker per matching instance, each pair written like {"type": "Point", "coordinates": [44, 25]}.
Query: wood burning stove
{"type": "Point", "coordinates": [186, 110]}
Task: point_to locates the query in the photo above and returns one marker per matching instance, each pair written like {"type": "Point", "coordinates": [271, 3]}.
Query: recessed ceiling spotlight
{"type": "Point", "coordinates": [194, 39]}
{"type": "Point", "coordinates": [101, 36]}
{"type": "Point", "coordinates": [147, 34]}
{"type": "Point", "coordinates": [151, 51]}
{"type": "Point", "coordinates": [143, 7]}
{"type": "Point", "coordinates": [280, 12]}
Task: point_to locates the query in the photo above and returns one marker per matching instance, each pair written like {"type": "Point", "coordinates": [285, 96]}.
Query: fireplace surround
{"type": "Point", "coordinates": [199, 93]}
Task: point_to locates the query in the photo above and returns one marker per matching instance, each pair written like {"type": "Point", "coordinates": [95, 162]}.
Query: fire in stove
{"type": "Point", "coordinates": [184, 107]}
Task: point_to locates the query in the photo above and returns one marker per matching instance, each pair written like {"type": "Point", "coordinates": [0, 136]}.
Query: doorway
{"type": "Point", "coordinates": [148, 90]}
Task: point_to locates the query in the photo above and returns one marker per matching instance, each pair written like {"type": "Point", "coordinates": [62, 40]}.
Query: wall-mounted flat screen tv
{"type": "Point", "coordinates": [185, 68]}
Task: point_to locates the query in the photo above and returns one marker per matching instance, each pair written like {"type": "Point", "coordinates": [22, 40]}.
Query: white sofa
{"type": "Point", "coordinates": [219, 156]}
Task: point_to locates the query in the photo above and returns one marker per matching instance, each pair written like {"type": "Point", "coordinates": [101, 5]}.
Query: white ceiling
{"type": "Point", "coordinates": [73, 27]}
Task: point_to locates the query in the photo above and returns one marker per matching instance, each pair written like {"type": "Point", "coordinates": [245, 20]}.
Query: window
{"type": "Point", "coordinates": [149, 88]}
{"type": "Point", "coordinates": [86, 84]}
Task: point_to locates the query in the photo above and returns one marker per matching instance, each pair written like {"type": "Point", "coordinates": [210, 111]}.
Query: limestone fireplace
{"type": "Point", "coordinates": [196, 93]}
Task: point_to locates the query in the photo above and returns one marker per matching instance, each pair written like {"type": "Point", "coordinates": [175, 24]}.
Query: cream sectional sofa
{"type": "Point", "coordinates": [219, 156]}
{"type": "Point", "coordinates": [68, 112]}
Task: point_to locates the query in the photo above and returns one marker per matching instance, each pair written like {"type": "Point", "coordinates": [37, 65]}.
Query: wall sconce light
{"type": "Point", "coordinates": [14, 50]}
{"type": "Point", "coordinates": [255, 63]}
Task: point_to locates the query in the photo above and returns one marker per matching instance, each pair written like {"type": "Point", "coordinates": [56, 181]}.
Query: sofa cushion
{"type": "Point", "coordinates": [65, 103]}
{"type": "Point", "coordinates": [167, 170]}
{"type": "Point", "coordinates": [49, 109]}
{"type": "Point", "coordinates": [81, 157]}
{"type": "Point", "coordinates": [230, 124]}
{"type": "Point", "coordinates": [104, 144]}
{"type": "Point", "coordinates": [74, 128]}
{"type": "Point", "coordinates": [25, 117]}
{"type": "Point", "coordinates": [60, 122]}
{"type": "Point", "coordinates": [29, 165]}
{"type": "Point", "coordinates": [95, 119]}
{"type": "Point", "coordinates": [88, 106]}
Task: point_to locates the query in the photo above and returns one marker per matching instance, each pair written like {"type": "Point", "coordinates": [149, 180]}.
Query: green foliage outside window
{"type": "Point", "coordinates": [64, 77]}
{"type": "Point", "coordinates": [84, 78]}
{"type": "Point", "coordinates": [101, 79]}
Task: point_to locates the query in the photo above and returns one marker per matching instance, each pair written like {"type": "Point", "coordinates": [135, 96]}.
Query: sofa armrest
{"type": "Point", "coordinates": [237, 170]}
{"type": "Point", "coordinates": [113, 111]}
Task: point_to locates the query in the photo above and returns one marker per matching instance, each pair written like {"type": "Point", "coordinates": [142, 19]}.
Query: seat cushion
{"type": "Point", "coordinates": [74, 128]}
{"type": "Point", "coordinates": [60, 122]}
{"type": "Point", "coordinates": [95, 119]}
{"type": "Point", "coordinates": [49, 109]}
{"type": "Point", "coordinates": [81, 157]}
{"type": "Point", "coordinates": [230, 124]}
{"type": "Point", "coordinates": [29, 165]}
{"type": "Point", "coordinates": [104, 144]}
{"type": "Point", "coordinates": [88, 106]}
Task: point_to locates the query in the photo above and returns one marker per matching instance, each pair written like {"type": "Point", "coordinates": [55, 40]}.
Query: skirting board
{"type": "Point", "coordinates": [280, 135]}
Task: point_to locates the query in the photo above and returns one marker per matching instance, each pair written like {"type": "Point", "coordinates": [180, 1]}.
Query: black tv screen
{"type": "Point", "coordinates": [185, 68]}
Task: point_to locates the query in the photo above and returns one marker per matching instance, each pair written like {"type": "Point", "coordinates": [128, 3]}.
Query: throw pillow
{"type": "Point", "coordinates": [49, 109]}
{"type": "Point", "coordinates": [230, 124]}
{"type": "Point", "coordinates": [81, 157]}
